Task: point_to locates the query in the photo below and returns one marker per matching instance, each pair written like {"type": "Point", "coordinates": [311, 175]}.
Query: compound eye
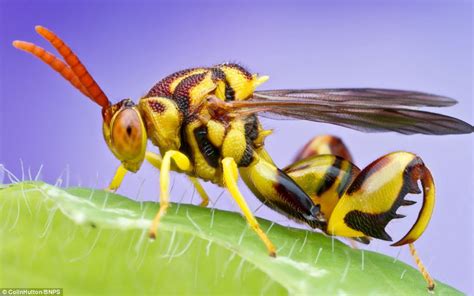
{"type": "Point", "coordinates": [127, 134]}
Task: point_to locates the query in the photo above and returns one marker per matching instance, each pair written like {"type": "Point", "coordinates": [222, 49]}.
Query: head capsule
{"type": "Point", "coordinates": [123, 127]}
{"type": "Point", "coordinates": [125, 133]}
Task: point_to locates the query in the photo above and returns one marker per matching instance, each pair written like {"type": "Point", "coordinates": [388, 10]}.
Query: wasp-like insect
{"type": "Point", "coordinates": [205, 120]}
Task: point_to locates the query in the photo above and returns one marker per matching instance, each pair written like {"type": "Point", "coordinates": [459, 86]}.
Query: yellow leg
{"type": "Point", "coordinates": [156, 160]}
{"type": "Point", "coordinates": [183, 163]}
{"type": "Point", "coordinates": [120, 173]}
{"type": "Point", "coordinates": [230, 181]}
{"type": "Point", "coordinates": [422, 268]}
{"type": "Point", "coordinates": [118, 178]}
{"type": "Point", "coordinates": [153, 158]}
{"type": "Point", "coordinates": [200, 190]}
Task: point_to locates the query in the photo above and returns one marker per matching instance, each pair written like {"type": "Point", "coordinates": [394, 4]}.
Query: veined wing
{"type": "Point", "coordinates": [359, 97]}
{"type": "Point", "coordinates": [369, 110]}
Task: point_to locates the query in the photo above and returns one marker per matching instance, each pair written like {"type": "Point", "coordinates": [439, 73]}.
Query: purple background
{"type": "Point", "coordinates": [127, 47]}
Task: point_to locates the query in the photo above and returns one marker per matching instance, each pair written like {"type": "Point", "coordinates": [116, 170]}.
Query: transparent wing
{"type": "Point", "coordinates": [359, 97]}
{"type": "Point", "coordinates": [368, 110]}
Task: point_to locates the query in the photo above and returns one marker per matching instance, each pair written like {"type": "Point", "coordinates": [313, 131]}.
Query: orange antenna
{"type": "Point", "coordinates": [55, 63]}
{"type": "Point", "coordinates": [96, 93]}
{"type": "Point", "coordinates": [74, 67]}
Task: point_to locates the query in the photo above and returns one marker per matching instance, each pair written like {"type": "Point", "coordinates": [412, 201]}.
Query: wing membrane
{"type": "Point", "coordinates": [362, 97]}
{"type": "Point", "coordinates": [368, 110]}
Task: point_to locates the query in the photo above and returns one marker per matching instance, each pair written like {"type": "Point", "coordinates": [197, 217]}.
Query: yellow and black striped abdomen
{"type": "Point", "coordinates": [373, 198]}
{"type": "Point", "coordinates": [324, 178]}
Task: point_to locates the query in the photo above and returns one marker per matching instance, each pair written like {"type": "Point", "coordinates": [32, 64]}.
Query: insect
{"type": "Point", "coordinates": [204, 123]}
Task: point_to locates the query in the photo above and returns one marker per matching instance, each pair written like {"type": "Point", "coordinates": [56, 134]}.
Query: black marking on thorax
{"type": "Point", "coordinates": [247, 157]}
{"type": "Point", "coordinates": [251, 127]}
{"type": "Point", "coordinates": [229, 92]}
{"type": "Point", "coordinates": [185, 148]}
{"type": "Point", "coordinates": [219, 75]}
{"type": "Point", "coordinates": [251, 133]}
{"type": "Point", "coordinates": [156, 107]}
{"type": "Point", "coordinates": [240, 68]}
{"type": "Point", "coordinates": [210, 152]}
{"type": "Point", "coordinates": [162, 88]}
{"type": "Point", "coordinates": [182, 92]}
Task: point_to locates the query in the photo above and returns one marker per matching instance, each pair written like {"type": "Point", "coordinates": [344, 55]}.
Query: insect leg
{"type": "Point", "coordinates": [182, 162]}
{"type": "Point", "coordinates": [155, 160]}
{"type": "Point", "coordinates": [230, 180]}
{"type": "Point", "coordinates": [200, 190]}
{"type": "Point", "coordinates": [117, 179]}
{"type": "Point", "coordinates": [421, 267]}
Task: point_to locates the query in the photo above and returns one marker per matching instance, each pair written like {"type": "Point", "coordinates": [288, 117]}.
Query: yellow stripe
{"type": "Point", "coordinates": [177, 80]}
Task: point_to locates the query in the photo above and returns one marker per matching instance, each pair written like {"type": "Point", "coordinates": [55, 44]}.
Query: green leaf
{"type": "Point", "coordinates": [93, 242]}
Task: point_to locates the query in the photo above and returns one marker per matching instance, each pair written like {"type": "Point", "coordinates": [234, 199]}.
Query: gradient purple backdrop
{"type": "Point", "coordinates": [424, 46]}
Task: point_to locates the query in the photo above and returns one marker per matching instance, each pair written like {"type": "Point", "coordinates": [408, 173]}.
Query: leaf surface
{"type": "Point", "coordinates": [93, 242]}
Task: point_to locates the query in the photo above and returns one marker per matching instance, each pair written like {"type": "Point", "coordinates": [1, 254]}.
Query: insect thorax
{"type": "Point", "coordinates": [177, 118]}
